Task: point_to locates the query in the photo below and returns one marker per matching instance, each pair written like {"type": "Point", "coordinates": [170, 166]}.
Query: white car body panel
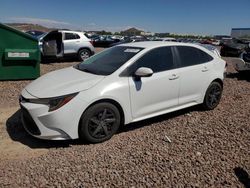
{"type": "Point", "coordinates": [148, 97]}
{"type": "Point", "coordinates": [56, 83]}
{"type": "Point", "coordinates": [190, 89]}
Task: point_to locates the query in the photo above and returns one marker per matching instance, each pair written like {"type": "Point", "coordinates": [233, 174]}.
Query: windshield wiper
{"type": "Point", "coordinates": [87, 70]}
{"type": "Point", "coordinates": [83, 69]}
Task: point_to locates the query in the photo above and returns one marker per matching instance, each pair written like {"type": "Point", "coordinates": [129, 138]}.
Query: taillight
{"type": "Point", "coordinates": [92, 42]}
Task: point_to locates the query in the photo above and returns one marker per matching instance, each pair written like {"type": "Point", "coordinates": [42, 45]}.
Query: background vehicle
{"type": "Point", "coordinates": [166, 39]}
{"type": "Point", "coordinates": [138, 38]}
{"type": "Point", "coordinates": [36, 34]}
{"type": "Point", "coordinates": [104, 41]}
{"type": "Point", "coordinates": [118, 86]}
{"type": "Point", "coordinates": [242, 65]}
{"type": "Point", "coordinates": [123, 41]}
{"type": "Point", "coordinates": [210, 48]}
{"type": "Point", "coordinates": [62, 43]}
{"type": "Point", "coordinates": [233, 47]}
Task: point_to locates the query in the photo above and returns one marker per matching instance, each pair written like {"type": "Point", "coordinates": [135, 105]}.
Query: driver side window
{"type": "Point", "coordinates": [159, 59]}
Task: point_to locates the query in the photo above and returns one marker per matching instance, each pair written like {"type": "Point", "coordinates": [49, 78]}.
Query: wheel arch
{"type": "Point", "coordinates": [112, 101]}
{"type": "Point", "coordinates": [82, 48]}
{"type": "Point", "coordinates": [219, 81]}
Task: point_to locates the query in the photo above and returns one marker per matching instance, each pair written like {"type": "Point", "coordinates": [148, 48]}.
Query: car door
{"type": "Point", "coordinates": [51, 44]}
{"type": "Point", "coordinates": [152, 95]}
{"type": "Point", "coordinates": [71, 42]}
{"type": "Point", "coordinates": [194, 71]}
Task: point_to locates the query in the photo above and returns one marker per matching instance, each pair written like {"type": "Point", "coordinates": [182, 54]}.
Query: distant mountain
{"type": "Point", "coordinates": [26, 27]}
{"type": "Point", "coordinates": [131, 31]}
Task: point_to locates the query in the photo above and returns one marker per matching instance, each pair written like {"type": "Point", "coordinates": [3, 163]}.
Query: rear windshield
{"type": "Point", "coordinates": [108, 61]}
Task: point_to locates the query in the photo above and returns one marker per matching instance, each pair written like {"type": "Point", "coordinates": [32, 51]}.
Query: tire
{"type": "Point", "coordinates": [213, 96]}
{"type": "Point", "coordinates": [99, 123]}
{"type": "Point", "coordinates": [83, 54]}
{"type": "Point", "coordinates": [222, 53]}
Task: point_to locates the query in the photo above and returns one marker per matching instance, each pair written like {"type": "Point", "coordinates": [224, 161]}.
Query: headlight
{"type": "Point", "coordinates": [53, 103]}
{"type": "Point", "coordinates": [58, 102]}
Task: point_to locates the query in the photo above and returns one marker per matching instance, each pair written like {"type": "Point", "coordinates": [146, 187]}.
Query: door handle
{"type": "Point", "coordinates": [205, 69]}
{"type": "Point", "coordinates": [173, 77]}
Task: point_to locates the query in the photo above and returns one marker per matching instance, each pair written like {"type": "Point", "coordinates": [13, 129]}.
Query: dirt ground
{"type": "Point", "coordinates": [17, 145]}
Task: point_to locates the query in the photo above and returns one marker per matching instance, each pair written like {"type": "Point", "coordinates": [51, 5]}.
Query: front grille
{"type": "Point", "coordinates": [29, 123]}
{"type": "Point", "coordinates": [22, 99]}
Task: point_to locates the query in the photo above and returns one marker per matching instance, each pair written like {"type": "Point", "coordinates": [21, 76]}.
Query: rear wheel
{"type": "Point", "coordinates": [99, 123]}
{"type": "Point", "coordinates": [213, 96]}
{"type": "Point", "coordinates": [83, 54]}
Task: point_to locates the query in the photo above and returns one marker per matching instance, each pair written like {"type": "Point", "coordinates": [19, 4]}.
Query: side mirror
{"type": "Point", "coordinates": [143, 72]}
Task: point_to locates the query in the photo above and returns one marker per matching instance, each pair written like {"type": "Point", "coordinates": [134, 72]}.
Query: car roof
{"type": "Point", "coordinates": [155, 44]}
{"type": "Point", "coordinates": [66, 31]}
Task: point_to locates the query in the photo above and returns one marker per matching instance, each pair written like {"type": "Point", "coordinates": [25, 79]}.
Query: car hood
{"type": "Point", "coordinates": [62, 82]}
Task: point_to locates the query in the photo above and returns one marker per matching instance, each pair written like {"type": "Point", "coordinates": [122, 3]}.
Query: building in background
{"type": "Point", "coordinates": [131, 32]}
{"type": "Point", "coordinates": [240, 32]}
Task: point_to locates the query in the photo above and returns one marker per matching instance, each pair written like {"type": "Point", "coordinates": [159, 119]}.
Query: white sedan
{"type": "Point", "coordinates": [123, 84]}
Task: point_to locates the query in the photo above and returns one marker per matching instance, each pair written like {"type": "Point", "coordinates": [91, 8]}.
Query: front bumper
{"type": "Point", "coordinates": [39, 125]}
{"type": "Point", "coordinates": [61, 124]}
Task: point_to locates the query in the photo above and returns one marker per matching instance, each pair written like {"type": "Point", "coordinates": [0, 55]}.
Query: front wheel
{"type": "Point", "coordinates": [99, 123]}
{"type": "Point", "coordinates": [83, 54]}
{"type": "Point", "coordinates": [213, 96]}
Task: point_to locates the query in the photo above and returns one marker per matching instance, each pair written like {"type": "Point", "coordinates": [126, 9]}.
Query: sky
{"type": "Point", "coordinates": [201, 17]}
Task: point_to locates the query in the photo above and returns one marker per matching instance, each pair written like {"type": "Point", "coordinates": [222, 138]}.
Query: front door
{"type": "Point", "coordinates": [52, 45]}
{"type": "Point", "coordinates": [152, 95]}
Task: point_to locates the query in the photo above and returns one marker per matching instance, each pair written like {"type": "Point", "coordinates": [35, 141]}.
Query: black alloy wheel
{"type": "Point", "coordinates": [213, 96]}
{"type": "Point", "coordinates": [99, 123]}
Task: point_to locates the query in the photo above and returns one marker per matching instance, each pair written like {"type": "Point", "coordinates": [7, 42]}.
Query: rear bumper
{"type": "Point", "coordinates": [241, 65]}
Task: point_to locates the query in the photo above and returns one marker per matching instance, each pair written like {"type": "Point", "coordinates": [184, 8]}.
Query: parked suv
{"type": "Point", "coordinates": [61, 43]}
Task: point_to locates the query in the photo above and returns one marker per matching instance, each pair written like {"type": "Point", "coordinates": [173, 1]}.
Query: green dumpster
{"type": "Point", "coordinates": [19, 55]}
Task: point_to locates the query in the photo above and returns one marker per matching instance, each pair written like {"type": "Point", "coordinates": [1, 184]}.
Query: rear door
{"type": "Point", "coordinates": [71, 43]}
{"type": "Point", "coordinates": [152, 95]}
{"type": "Point", "coordinates": [194, 70]}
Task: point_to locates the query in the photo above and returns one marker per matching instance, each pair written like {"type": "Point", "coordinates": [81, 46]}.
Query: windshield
{"type": "Point", "coordinates": [108, 61]}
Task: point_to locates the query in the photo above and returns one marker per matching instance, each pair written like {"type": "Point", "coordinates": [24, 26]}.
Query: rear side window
{"type": "Point", "coordinates": [77, 36]}
{"type": "Point", "coordinates": [71, 36]}
{"type": "Point", "coordinates": [159, 59]}
{"type": "Point", "coordinates": [192, 56]}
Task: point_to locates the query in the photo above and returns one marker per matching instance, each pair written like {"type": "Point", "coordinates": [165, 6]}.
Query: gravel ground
{"type": "Point", "coordinates": [188, 148]}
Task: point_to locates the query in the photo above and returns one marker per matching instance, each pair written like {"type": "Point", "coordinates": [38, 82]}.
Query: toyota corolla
{"type": "Point", "coordinates": [120, 85]}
